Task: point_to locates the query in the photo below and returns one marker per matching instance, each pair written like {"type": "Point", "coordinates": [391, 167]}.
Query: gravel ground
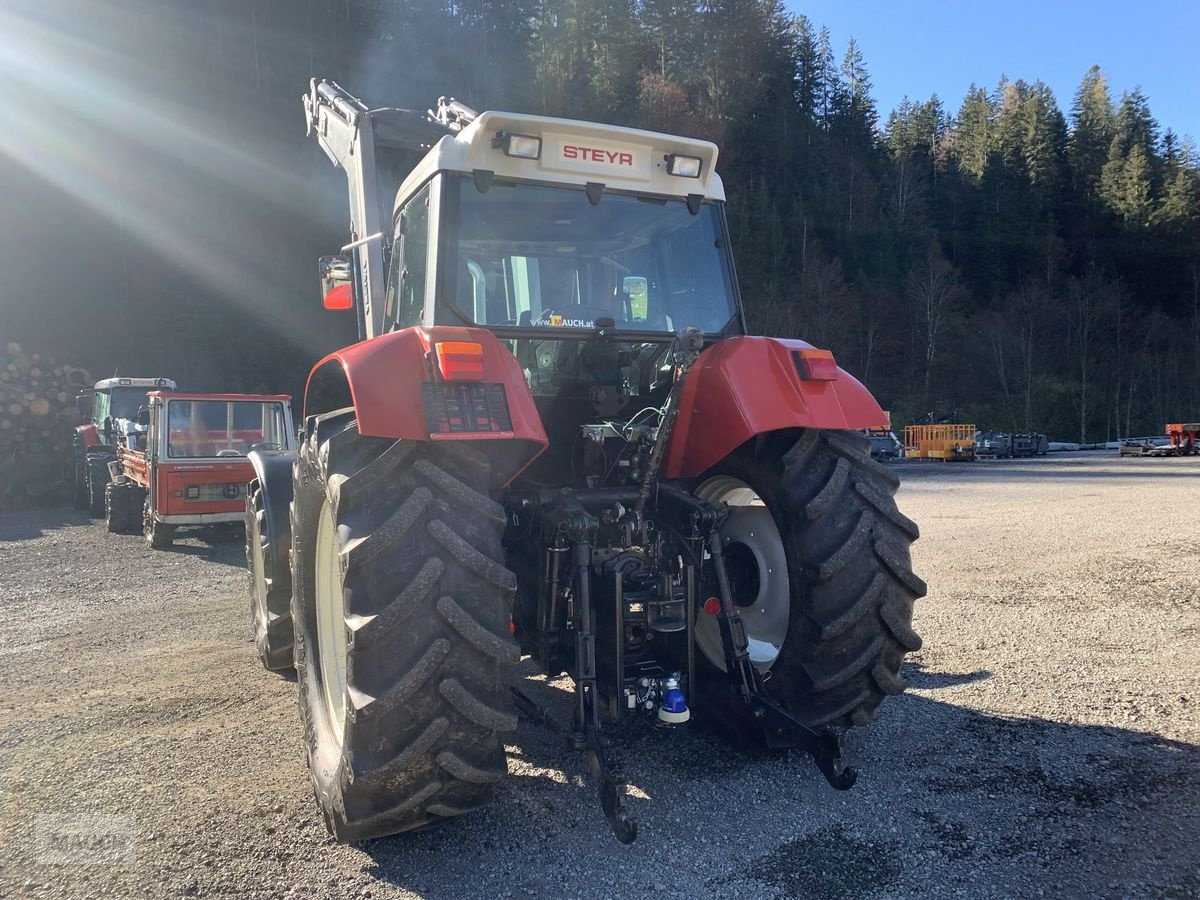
{"type": "Point", "coordinates": [1048, 745]}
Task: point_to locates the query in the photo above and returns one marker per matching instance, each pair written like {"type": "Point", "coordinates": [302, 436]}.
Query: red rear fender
{"type": "Point", "coordinates": [745, 386]}
{"type": "Point", "coordinates": [382, 379]}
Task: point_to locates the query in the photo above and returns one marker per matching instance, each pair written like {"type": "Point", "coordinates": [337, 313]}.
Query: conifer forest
{"type": "Point", "coordinates": [1017, 259]}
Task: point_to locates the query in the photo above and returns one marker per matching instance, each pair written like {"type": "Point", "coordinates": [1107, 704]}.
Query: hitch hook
{"type": "Point", "coordinates": [827, 754]}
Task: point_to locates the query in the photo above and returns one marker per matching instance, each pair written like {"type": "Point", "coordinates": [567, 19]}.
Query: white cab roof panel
{"type": "Point", "coordinates": [575, 153]}
{"type": "Point", "coordinates": [162, 384]}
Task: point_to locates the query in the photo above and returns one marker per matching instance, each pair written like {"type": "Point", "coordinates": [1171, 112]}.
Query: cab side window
{"type": "Point", "coordinates": [406, 281]}
{"type": "Point", "coordinates": [100, 407]}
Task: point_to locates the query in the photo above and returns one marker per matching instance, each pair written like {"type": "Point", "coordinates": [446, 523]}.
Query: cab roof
{"type": "Point", "coordinates": [261, 398]}
{"type": "Point", "coordinates": [573, 153]}
{"type": "Point", "coordinates": [108, 383]}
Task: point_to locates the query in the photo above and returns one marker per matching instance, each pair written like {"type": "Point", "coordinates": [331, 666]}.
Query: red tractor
{"type": "Point", "coordinates": [110, 412]}
{"type": "Point", "coordinates": [556, 439]}
{"type": "Point", "coordinates": [189, 467]}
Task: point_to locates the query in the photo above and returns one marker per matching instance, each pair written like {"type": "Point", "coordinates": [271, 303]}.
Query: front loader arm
{"type": "Point", "coordinates": [354, 137]}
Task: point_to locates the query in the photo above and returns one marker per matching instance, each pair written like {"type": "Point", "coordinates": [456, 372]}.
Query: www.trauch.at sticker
{"type": "Point", "coordinates": [560, 322]}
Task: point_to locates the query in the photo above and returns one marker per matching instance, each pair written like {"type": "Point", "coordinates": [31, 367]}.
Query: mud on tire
{"type": "Point", "coordinates": [427, 603]}
{"type": "Point", "coordinates": [270, 589]}
{"type": "Point", "coordinates": [850, 573]}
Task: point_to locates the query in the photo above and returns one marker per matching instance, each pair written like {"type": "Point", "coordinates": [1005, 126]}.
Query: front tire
{"type": "Point", "coordinates": [270, 589]}
{"type": "Point", "coordinates": [159, 536]}
{"type": "Point", "coordinates": [401, 609]}
{"type": "Point", "coordinates": [836, 627]}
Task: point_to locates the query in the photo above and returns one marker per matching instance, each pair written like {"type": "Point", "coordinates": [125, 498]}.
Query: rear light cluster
{"type": "Point", "coordinates": [460, 402]}
{"type": "Point", "coordinates": [459, 360]}
{"type": "Point", "coordinates": [816, 365]}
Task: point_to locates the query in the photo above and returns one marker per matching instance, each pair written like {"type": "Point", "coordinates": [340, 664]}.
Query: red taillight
{"type": "Point", "coordinates": [712, 606]}
{"type": "Point", "coordinates": [460, 360]}
{"type": "Point", "coordinates": [816, 365]}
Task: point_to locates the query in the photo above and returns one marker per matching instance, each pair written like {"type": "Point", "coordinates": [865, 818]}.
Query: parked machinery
{"type": "Point", "coordinates": [993, 445]}
{"type": "Point", "coordinates": [556, 439]}
{"type": "Point", "coordinates": [191, 468]}
{"type": "Point", "coordinates": [1185, 438]}
{"type": "Point", "coordinates": [110, 410]}
{"type": "Point", "coordinates": [944, 442]}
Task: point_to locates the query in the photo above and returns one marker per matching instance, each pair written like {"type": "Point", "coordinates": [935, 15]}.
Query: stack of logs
{"type": "Point", "coordinates": [37, 420]}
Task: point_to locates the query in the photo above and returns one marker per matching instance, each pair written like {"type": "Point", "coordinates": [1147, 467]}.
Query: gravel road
{"type": "Point", "coordinates": [1049, 743]}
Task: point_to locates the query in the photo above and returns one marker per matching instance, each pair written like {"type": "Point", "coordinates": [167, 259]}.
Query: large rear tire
{"type": "Point", "coordinates": [831, 626]}
{"type": "Point", "coordinates": [97, 481]}
{"type": "Point", "coordinates": [401, 605]}
{"type": "Point", "coordinates": [270, 589]}
{"type": "Point", "coordinates": [79, 494]}
{"type": "Point", "coordinates": [120, 513]}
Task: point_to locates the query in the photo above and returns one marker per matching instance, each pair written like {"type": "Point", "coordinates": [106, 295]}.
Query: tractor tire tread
{"type": "Point", "coordinates": [398, 694]}
{"type": "Point", "coordinates": [97, 480]}
{"type": "Point", "coordinates": [429, 651]}
{"type": "Point", "coordinates": [271, 615]}
{"type": "Point", "coordinates": [853, 587]}
{"type": "Point", "coordinates": [483, 640]}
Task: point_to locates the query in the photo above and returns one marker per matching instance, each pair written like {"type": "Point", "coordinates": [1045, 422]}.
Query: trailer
{"type": "Point", "coordinates": [944, 442]}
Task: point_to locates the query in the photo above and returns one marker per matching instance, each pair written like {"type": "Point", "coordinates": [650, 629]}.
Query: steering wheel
{"type": "Point", "coordinates": [266, 445]}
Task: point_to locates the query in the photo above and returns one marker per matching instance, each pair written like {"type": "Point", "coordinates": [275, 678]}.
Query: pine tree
{"type": "Point", "coordinates": [1092, 129]}
{"type": "Point", "coordinates": [1125, 184]}
{"type": "Point", "coordinates": [1179, 206]}
{"type": "Point", "coordinates": [972, 133]}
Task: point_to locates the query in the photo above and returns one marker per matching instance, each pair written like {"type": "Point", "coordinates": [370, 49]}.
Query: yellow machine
{"type": "Point", "coordinates": [939, 442]}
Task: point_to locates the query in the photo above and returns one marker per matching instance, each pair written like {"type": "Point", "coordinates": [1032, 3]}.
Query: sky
{"type": "Point", "coordinates": [921, 47]}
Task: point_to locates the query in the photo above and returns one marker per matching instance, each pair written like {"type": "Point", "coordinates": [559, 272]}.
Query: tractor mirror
{"type": "Point", "coordinates": [334, 271]}
{"type": "Point", "coordinates": [341, 297]}
{"type": "Point", "coordinates": [83, 403]}
{"type": "Point", "coordinates": [637, 293]}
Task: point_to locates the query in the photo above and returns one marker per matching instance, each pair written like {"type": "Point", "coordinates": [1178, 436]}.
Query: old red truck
{"type": "Point", "coordinates": [190, 467]}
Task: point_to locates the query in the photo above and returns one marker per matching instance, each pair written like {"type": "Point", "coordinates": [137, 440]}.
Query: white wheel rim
{"type": "Point", "coordinates": [750, 533]}
{"type": "Point", "coordinates": [331, 623]}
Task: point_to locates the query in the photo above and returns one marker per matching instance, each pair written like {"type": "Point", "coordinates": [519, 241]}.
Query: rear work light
{"type": "Point", "coordinates": [816, 365]}
{"type": "Point", "coordinates": [522, 146]}
{"type": "Point", "coordinates": [684, 166]}
{"type": "Point", "coordinates": [459, 360]}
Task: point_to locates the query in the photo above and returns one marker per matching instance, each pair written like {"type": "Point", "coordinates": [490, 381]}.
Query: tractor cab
{"type": "Point", "coordinates": [193, 469]}
{"type": "Point", "coordinates": [110, 413]}
{"type": "Point", "coordinates": [112, 405]}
